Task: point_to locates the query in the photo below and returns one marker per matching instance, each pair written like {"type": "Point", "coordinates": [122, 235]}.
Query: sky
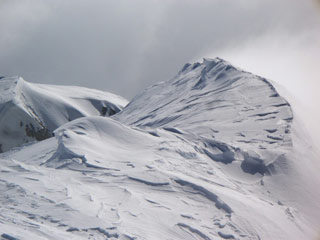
{"type": "Point", "coordinates": [123, 46]}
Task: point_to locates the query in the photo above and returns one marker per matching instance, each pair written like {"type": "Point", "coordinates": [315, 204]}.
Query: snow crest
{"type": "Point", "coordinates": [30, 112]}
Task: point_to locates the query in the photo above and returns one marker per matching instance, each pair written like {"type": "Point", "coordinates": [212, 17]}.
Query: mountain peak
{"type": "Point", "coordinates": [218, 101]}
{"type": "Point", "coordinates": [30, 112]}
{"type": "Point", "coordinates": [207, 63]}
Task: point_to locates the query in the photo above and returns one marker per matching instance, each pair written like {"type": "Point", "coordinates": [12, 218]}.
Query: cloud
{"type": "Point", "coordinates": [17, 22]}
{"type": "Point", "coordinates": [124, 46]}
{"type": "Point", "coordinates": [290, 61]}
{"type": "Point", "coordinates": [96, 44]}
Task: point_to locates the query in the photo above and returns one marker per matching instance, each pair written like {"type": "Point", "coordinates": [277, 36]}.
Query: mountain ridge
{"type": "Point", "coordinates": [32, 111]}
{"type": "Point", "coordinates": [219, 91]}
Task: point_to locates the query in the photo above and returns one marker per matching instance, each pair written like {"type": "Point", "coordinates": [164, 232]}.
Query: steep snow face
{"type": "Point", "coordinates": [214, 153]}
{"type": "Point", "coordinates": [31, 112]}
{"type": "Point", "coordinates": [215, 100]}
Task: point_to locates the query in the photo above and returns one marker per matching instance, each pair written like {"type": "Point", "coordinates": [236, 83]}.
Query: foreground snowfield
{"type": "Point", "coordinates": [214, 153]}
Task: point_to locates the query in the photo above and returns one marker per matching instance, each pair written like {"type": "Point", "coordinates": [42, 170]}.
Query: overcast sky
{"type": "Point", "coordinates": [123, 46]}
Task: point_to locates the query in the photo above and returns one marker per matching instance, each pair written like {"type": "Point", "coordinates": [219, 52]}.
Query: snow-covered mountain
{"type": "Point", "coordinates": [230, 110]}
{"type": "Point", "coordinates": [214, 153]}
{"type": "Point", "coordinates": [30, 112]}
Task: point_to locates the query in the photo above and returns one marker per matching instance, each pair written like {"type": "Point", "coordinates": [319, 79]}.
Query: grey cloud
{"type": "Point", "coordinates": [124, 46]}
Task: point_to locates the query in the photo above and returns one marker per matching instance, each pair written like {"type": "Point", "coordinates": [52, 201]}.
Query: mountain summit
{"type": "Point", "coordinates": [213, 153]}
{"type": "Point", "coordinates": [218, 103]}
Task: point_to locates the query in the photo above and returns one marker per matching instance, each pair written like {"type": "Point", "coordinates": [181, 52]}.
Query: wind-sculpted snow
{"type": "Point", "coordinates": [144, 174]}
{"type": "Point", "coordinates": [31, 112]}
{"type": "Point", "coordinates": [215, 100]}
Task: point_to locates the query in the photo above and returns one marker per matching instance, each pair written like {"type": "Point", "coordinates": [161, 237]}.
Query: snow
{"type": "Point", "coordinates": [214, 153]}
{"type": "Point", "coordinates": [32, 111]}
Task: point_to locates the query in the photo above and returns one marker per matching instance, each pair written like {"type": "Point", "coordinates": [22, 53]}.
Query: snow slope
{"type": "Point", "coordinates": [226, 160]}
{"type": "Point", "coordinates": [32, 111]}
{"type": "Point", "coordinates": [215, 100]}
